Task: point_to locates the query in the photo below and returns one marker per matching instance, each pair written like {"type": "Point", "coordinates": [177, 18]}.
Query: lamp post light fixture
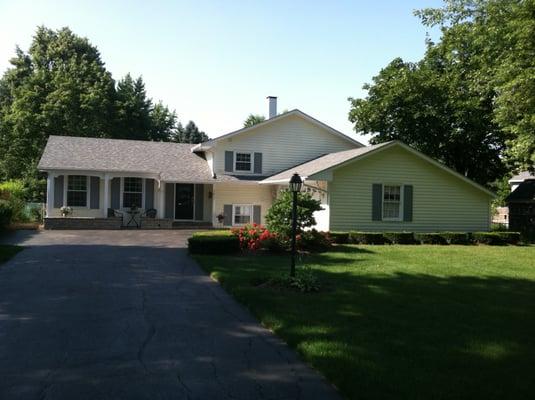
{"type": "Point", "coordinates": [295, 186]}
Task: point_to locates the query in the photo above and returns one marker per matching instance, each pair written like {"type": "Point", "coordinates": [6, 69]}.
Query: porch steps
{"type": "Point", "coordinates": [191, 225]}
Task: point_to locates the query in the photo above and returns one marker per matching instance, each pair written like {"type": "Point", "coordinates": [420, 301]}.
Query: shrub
{"type": "Point", "coordinates": [14, 193]}
{"type": "Point", "coordinates": [314, 241]}
{"type": "Point", "coordinates": [456, 237]}
{"type": "Point", "coordinates": [430, 238]}
{"type": "Point", "coordinates": [202, 244]}
{"type": "Point", "coordinates": [5, 214]}
{"type": "Point", "coordinates": [490, 238]}
{"type": "Point", "coordinates": [305, 280]}
{"type": "Point", "coordinates": [367, 238]}
{"type": "Point", "coordinates": [339, 237]}
{"type": "Point", "coordinates": [400, 237]}
{"type": "Point", "coordinates": [279, 216]}
{"type": "Point", "coordinates": [251, 237]}
{"type": "Point", "coordinates": [510, 237]}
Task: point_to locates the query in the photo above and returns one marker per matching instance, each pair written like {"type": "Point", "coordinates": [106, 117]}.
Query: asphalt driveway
{"type": "Point", "coordinates": [128, 315]}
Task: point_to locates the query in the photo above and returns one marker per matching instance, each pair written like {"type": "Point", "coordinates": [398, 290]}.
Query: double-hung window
{"type": "Point", "coordinates": [77, 191]}
{"type": "Point", "coordinates": [392, 202]}
{"type": "Point", "coordinates": [242, 214]}
{"type": "Point", "coordinates": [243, 162]}
{"type": "Point", "coordinates": [132, 192]}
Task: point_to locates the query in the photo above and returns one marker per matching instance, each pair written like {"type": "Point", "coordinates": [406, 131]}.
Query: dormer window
{"type": "Point", "coordinates": [243, 162]}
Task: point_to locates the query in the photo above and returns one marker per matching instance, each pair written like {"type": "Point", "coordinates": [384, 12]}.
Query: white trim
{"type": "Point", "coordinates": [235, 157]}
{"type": "Point", "coordinates": [401, 196]}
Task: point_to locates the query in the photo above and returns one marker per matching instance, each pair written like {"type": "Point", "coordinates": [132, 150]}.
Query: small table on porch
{"type": "Point", "coordinates": [133, 212]}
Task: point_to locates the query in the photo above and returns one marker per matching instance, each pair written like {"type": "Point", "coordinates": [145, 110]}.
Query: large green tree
{"type": "Point", "coordinates": [190, 134]}
{"type": "Point", "coordinates": [59, 87]}
{"type": "Point", "coordinates": [470, 102]}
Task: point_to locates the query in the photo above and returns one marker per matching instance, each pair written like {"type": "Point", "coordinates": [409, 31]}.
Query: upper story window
{"type": "Point", "coordinates": [243, 162]}
{"type": "Point", "coordinates": [392, 202]}
{"type": "Point", "coordinates": [77, 191]}
{"type": "Point", "coordinates": [133, 192]}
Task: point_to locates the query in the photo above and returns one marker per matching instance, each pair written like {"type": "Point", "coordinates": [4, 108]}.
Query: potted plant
{"type": "Point", "coordinates": [65, 211]}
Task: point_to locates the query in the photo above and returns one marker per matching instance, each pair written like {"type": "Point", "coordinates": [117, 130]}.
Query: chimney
{"type": "Point", "coordinates": [272, 106]}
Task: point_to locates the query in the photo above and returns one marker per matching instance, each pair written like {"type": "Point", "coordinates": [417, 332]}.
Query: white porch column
{"type": "Point", "coordinates": [161, 200]}
{"type": "Point", "coordinates": [49, 193]}
{"type": "Point", "coordinates": [106, 195]}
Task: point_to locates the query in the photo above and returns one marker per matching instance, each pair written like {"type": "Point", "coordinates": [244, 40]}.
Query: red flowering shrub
{"type": "Point", "coordinates": [253, 237]}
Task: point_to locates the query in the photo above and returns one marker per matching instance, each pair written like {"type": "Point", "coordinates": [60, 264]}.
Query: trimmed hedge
{"type": "Point", "coordinates": [490, 238]}
{"type": "Point", "coordinates": [367, 238]}
{"type": "Point", "coordinates": [430, 238]}
{"type": "Point", "coordinates": [202, 244]}
{"type": "Point", "coordinates": [400, 237]}
{"type": "Point", "coordinates": [510, 237]}
{"type": "Point", "coordinates": [456, 237]}
{"type": "Point", "coordinates": [339, 237]}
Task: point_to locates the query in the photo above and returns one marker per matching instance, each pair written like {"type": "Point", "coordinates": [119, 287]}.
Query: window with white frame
{"type": "Point", "coordinates": [242, 214]}
{"type": "Point", "coordinates": [132, 192]}
{"type": "Point", "coordinates": [243, 162]}
{"type": "Point", "coordinates": [77, 191]}
{"type": "Point", "coordinates": [392, 202]}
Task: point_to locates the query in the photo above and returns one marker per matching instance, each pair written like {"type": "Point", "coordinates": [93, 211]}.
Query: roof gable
{"type": "Point", "coordinates": [213, 142]}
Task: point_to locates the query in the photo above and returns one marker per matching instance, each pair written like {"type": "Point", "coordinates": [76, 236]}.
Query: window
{"type": "Point", "coordinates": [243, 162]}
{"type": "Point", "coordinates": [133, 192]}
{"type": "Point", "coordinates": [242, 214]}
{"type": "Point", "coordinates": [77, 191]}
{"type": "Point", "coordinates": [391, 202]}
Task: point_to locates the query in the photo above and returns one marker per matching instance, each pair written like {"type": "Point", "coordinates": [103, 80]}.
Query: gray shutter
{"type": "Point", "coordinates": [377, 201]}
{"type": "Point", "coordinates": [229, 161]}
{"type": "Point", "coordinates": [94, 192]}
{"type": "Point", "coordinates": [407, 203]}
{"type": "Point", "coordinates": [256, 214]}
{"type": "Point", "coordinates": [227, 212]}
{"type": "Point", "coordinates": [58, 191]}
{"type": "Point", "coordinates": [169, 200]}
{"type": "Point", "coordinates": [115, 202]}
{"type": "Point", "coordinates": [257, 163]}
{"type": "Point", "coordinates": [149, 194]}
{"type": "Point", "coordinates": [199, 201]}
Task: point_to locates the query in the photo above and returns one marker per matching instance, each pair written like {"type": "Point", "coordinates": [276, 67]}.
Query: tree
{"type": "Point", "coordinates": [59, 87]}
{"type": "Point", "coordinates": [163, 123]}
{"type": "Point", "coordinates": [190, 134]}
{"type": "Point", "coordinates": [428, 106]}
{"type": "Point", "coordinates": [253, 119]}
{"type": "Point", "coordinates": [133, 110]}
{"type": "Point", "coordinates": [502, 35]}
{"type": "Point", "coordinates": [279, 216]}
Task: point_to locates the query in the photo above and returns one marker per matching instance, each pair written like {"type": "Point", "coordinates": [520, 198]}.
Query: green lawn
{"type": "Point", "coordinates": [7, 251]}
{"type": "Point", "coordinates": [404, 322]}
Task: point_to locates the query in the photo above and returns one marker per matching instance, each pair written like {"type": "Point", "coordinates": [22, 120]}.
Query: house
{"type": "Point", "coordinates": [521, 204]}
{"type": "Point", "coordinates": [233, 179]}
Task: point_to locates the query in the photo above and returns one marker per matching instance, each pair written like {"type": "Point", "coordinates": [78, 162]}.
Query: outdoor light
{"type": "Point", "coordinates": [295, 183]}
{"type": "Point", "coordinates": [295, 187]}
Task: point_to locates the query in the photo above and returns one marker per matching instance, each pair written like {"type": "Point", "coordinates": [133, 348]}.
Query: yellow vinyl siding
{"type": "Point", "coordinates": [440, 200]}
{"type": "Point", "coordinates": [283, 144]}
{"type": "Point", "coordinates": [255, 194]}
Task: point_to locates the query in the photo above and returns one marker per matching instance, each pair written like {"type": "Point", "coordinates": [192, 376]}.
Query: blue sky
{"type": "Point", "coordinates": [216, 61]}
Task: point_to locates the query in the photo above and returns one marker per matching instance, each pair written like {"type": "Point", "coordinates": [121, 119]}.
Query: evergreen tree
{"type": "Point", "coordinates": [133, 110]}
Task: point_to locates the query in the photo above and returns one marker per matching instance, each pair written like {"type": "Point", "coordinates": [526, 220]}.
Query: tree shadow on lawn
{"type": "Point", "coordinates": [418, 336]}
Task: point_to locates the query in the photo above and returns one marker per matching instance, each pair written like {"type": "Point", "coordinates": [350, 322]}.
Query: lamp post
{"type": "Point", "coordinates": [295, 187]}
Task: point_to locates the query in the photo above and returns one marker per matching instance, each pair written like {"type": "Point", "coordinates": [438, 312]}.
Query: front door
{"type": "Point", "coordinates": [184, 200]}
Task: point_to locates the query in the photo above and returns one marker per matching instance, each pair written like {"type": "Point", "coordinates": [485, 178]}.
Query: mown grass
{"type": "Point", "coordinates": [403, 322]}
{"type": "Point", "coordinates": [8, 251]}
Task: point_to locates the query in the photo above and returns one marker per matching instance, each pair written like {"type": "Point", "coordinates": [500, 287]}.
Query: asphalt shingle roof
{"type": "Point", "coordinates": [322, 163]}
{"type": "Point", "coordinates": [522, 176]}
{"type": "Point", "coordinates": [173, 161]}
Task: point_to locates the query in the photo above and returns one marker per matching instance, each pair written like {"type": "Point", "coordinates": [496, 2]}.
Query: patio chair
{"type": "Point", "coordinates": [114, 213]}
{"type": "Point", "coordinates": [150, 213]}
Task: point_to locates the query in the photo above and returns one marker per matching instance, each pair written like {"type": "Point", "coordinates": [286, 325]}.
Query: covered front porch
{"type": "Point", "coordinates": [94, 200]}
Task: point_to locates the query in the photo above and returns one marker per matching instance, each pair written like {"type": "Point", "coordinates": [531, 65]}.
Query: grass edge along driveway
{"type": "Point", "coordinates": [416, 322]}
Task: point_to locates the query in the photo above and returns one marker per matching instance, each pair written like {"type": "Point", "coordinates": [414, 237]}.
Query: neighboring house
{"type": "Point", "coordinates": [501, 216]}
{"type": "Point", "coordinates": [516, 180]}
{"type": "Point", "coordinates": [521, 203]}
{"type": "Point", "coordinates": [238, 175]}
